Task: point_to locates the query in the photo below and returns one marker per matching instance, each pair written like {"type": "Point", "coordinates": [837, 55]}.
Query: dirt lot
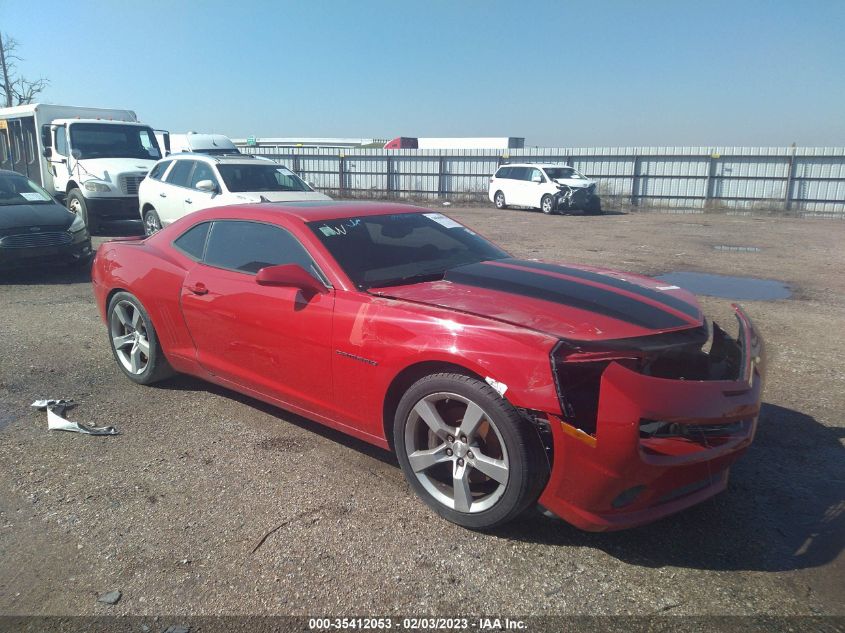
{"type": "Point", "coordinates": [169, 511]}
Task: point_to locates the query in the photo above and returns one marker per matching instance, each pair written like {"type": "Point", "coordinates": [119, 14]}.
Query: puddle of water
{"type": "Point", "coordinates": [737, 249]}
{"type": "Point", "coordinates": [728, 287]}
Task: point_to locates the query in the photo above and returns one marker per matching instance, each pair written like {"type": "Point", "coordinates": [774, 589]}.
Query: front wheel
{"type": "Point", "coordinates": [547, 204]}
{"type": "Point", "coordinates": [499, 200]}
{"type": "Point", "coordinates": [152, 223]}
{"type": "Point", "coordinates": [78, 206]}
{"type": "Point", "coordinates": [134, 342]}
{"type": "Point", "coordinates": [467, 452]}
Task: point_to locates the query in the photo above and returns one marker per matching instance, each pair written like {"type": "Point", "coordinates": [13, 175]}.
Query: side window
{"type": "Point", "coordinates": [250, 246]}
{"type": "Point", "coordinates": [519, 173]}
{"type": "Point", "coordinates": [61, 141]}
{"type": "Point", "coordinates": [534, 175]}
{"type": "Point", "coordinates": [504, 172]}
{"type": "Point", "coordinates": [180, 173]}
{"type": "Point", "coordinates": [192, 241]}
{"type": "Point", "coordinates": [158, 171]}
{"type": "Point", "coordinates": [202, 171]}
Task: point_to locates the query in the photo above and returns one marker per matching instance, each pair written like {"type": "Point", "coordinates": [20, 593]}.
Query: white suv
{"type": "Point", "coordinates": [550, 188]}
{"type": "Point", "coordinates": [182, 183]}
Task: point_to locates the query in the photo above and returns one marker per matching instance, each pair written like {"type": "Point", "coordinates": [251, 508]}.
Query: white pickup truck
{"type": "Point", "coordinates": [91, 158]}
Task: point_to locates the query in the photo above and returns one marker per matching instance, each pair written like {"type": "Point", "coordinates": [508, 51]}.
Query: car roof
{"type": "Point", "coordinates": [537, 165]}
{"type": "Point", "coordinates": [306, 211]}
{"type": "Point", "coordinates": [243, 159]}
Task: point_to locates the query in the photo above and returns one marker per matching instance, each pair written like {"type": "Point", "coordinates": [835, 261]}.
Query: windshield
{"type": "Point", "coordinates": [96, 140]}
{"type": "Point", "coordinates": [562, 172]}
{"type": "Point", "coordinates": [260, 177]}
{"type": "Point", "coordinates": [15, 189]}
{"type": "Point", "coordinates": [386, 250]}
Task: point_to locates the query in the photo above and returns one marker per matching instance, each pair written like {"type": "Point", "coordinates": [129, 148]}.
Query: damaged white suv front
{"type": "Point", "coordinates": [548, 187]}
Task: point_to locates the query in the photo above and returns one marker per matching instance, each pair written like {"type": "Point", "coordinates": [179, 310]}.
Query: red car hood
{"type": "Point", "coordinates": [572, 302]}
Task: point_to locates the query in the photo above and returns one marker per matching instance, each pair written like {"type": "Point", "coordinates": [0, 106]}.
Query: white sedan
{"type": "Point", "coordinates": [182, 183]}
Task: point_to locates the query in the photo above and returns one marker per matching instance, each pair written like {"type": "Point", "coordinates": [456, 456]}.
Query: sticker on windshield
{"type": "Point", "coordinates": [441, 219]}
{"type": "Point", "coordinates": [32, 196]}
{"type": "Point", "coordinates": [327, 231]}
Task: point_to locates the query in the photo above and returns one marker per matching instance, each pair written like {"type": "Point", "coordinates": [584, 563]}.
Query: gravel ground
{"type": "Point", "coordinates": [169, 512]}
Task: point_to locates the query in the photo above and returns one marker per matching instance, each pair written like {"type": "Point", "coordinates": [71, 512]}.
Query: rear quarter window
{"type": "Point", "coordinates": [158, 171]}
{"type": "Point", "coordinates": [192, 241]}
{"type": "Point", "coordinates": [504, 172]}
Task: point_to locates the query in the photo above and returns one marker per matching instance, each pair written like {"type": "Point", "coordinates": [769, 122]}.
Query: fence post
{"type": "Point", "coordinates": [790, 177]}
{"type": "Point", "coordinates": [711, 172]}
{"type": "Point", "coordinates": [389, 184]}
{"type": "Point", "coordinates": [341, 175]}
{"type": "Point", "coordinates": [441, 170]}
{"type": "Point", "coordinates": [635, 183]}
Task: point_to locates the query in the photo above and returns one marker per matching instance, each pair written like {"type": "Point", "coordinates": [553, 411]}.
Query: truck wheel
{"type": "Point", "coordinates": [152, 223]}
{"type": "Point", "coordinates": [499, 200]}
{"type": "Point", "coordinates": [77, 205]}
{"type": "Point", "coordinates": [547, 204]}
{"type": "Point", "coordinates": [467, 452]}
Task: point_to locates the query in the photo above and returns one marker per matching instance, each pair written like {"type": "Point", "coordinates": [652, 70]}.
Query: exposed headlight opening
{"type": "Point", "coordinates": [77, 225]}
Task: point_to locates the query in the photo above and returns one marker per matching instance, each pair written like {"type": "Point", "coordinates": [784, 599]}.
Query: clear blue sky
{"type": "Point", "coordinates": [558, 73]}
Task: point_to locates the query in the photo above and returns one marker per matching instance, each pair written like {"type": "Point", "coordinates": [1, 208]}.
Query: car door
{"type": "Point", "coordinates": [195, 199]}
{"type": "Point", "coordinates": [516, 193]}
{"type": "Point", "coordinates": [58, 160]}
{"type": "Point", "coordinates": [533, 188]}
{"type": "Point", "coordinates": [173, 190]}
{"type": "Point", "coordinates": [270, 339]}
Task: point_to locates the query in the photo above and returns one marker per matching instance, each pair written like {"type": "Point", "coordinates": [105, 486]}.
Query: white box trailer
{"type": "Point", "coordinates": [469, 142]}
{"type": "Point", "coordinates": [92, 158]}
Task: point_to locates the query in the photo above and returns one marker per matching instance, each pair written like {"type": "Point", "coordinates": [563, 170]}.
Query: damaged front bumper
{"type": "Point", "coordinates": [659, 445]}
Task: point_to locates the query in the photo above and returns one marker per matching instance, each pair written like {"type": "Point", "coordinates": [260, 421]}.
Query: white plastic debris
{"type": "Point", "coordinates": [55, 422]}
{"type": "Point", "coordinates": [447, 204]}
{"type": "Point", "coordinates": [498, 386]}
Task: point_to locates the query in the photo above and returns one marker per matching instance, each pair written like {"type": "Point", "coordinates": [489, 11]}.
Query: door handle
{"type": "Point", "coordinates": [162, 195]}
{"type": "Point", "coordinates": [198, 288]}
{"type": "Point", "coordinates": [188, 200]}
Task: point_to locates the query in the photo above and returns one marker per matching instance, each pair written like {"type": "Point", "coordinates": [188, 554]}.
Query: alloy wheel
{"type": "Point", "coordinates": [456, 452]}
{"type": "Point", "coordinates": [128, 331]}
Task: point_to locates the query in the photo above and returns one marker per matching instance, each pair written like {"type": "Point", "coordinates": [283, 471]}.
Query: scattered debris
{"type": "Point", "coordinates": [498, 386]}
{"type": "Point", "coordinates": [447, 204]}
{"type": "Point", "coordinates": [737, 249]}
{"type": "Point", "coordinates": [55, 422]}
{"type": "Point", "coordinates": [112, 597]}
{"type": "Point", "coordinates": [177, 628]}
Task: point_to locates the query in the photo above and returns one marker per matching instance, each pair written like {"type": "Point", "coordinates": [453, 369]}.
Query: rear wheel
{"type": "Point", "coordinates": [467, 452]}
{"type": "Point", "coordinates": [547, 204]}
{"type": "Point", "coordinates": [152, 223]}
{"type": "Point", "coordinates": [134, 342]}
{"type": "Point", "coordinates": [499, 200]}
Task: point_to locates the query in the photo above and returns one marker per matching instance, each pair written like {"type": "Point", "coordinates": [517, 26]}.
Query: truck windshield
{"type": "Point", "coordinates": [109, 140]}
{"type": "Point", "coordinates": [15, 189]}
{"type": "Point", "coordinates": [258, 177]}
{"type": "Point", "coordinates": [402, 248]}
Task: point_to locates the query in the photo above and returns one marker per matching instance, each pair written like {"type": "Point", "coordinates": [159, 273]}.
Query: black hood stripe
{"type": "Point", "coordinates": [566, 292]}
{"type": "Point", "coordinates": [675, 303]}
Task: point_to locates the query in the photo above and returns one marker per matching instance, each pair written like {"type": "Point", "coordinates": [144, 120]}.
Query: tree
{"type": "Point", "coordinates": [16, 89]}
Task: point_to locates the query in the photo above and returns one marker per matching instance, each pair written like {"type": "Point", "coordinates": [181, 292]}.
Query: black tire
{"type": "Point", "coordinates": [499, 200]}
{"type": "Point", "coordinates": [156, 367]}
{"type": "Point", "coordinates": [77, 205]}
{"type": "Point", "coordinates": [523, 454]}
{"type": "Point", "coordinates": [152, 223]}
{"type": "Point", "coordinates": [547, 204]}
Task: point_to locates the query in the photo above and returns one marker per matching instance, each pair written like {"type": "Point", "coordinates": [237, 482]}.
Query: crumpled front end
{"type": "Point", "coordinates": [651, 427]}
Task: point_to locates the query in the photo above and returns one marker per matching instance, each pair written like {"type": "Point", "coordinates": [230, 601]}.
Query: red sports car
{"type": "Point", "coordinates": [500, 383]}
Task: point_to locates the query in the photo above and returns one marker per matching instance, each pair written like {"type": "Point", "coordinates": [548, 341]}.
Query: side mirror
{"type": "Point", "coordinates": [76, 154]}
{"type": "Point", "coordinates": [207, 186]}
{"type": "Point", "coordinates": [48, 152]}
{"type": "Point", "coordinates": [291, 275]}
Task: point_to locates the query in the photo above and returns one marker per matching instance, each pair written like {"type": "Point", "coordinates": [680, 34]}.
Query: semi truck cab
{"type": "Point", "coordinates": [98, 165]}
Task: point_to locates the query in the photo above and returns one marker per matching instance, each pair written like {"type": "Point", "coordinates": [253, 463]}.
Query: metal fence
{"type": "Point", "coordinates": [805, 180]}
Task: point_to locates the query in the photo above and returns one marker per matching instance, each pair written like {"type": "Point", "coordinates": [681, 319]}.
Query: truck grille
{"type": "Point", "coordinates": [34, 240]}
{"type": "Point", "coordinates": [129, 183]}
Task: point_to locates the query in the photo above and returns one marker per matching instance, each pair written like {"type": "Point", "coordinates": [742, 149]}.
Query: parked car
{"type": "Point", "coordinates": [36, 229]}
{"type": "Point", "coordinates": [498, 382]}
{"type": "Point", "coordinates": [550, 188]}
{"type": "Point", "coordinates": [182, 183]}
